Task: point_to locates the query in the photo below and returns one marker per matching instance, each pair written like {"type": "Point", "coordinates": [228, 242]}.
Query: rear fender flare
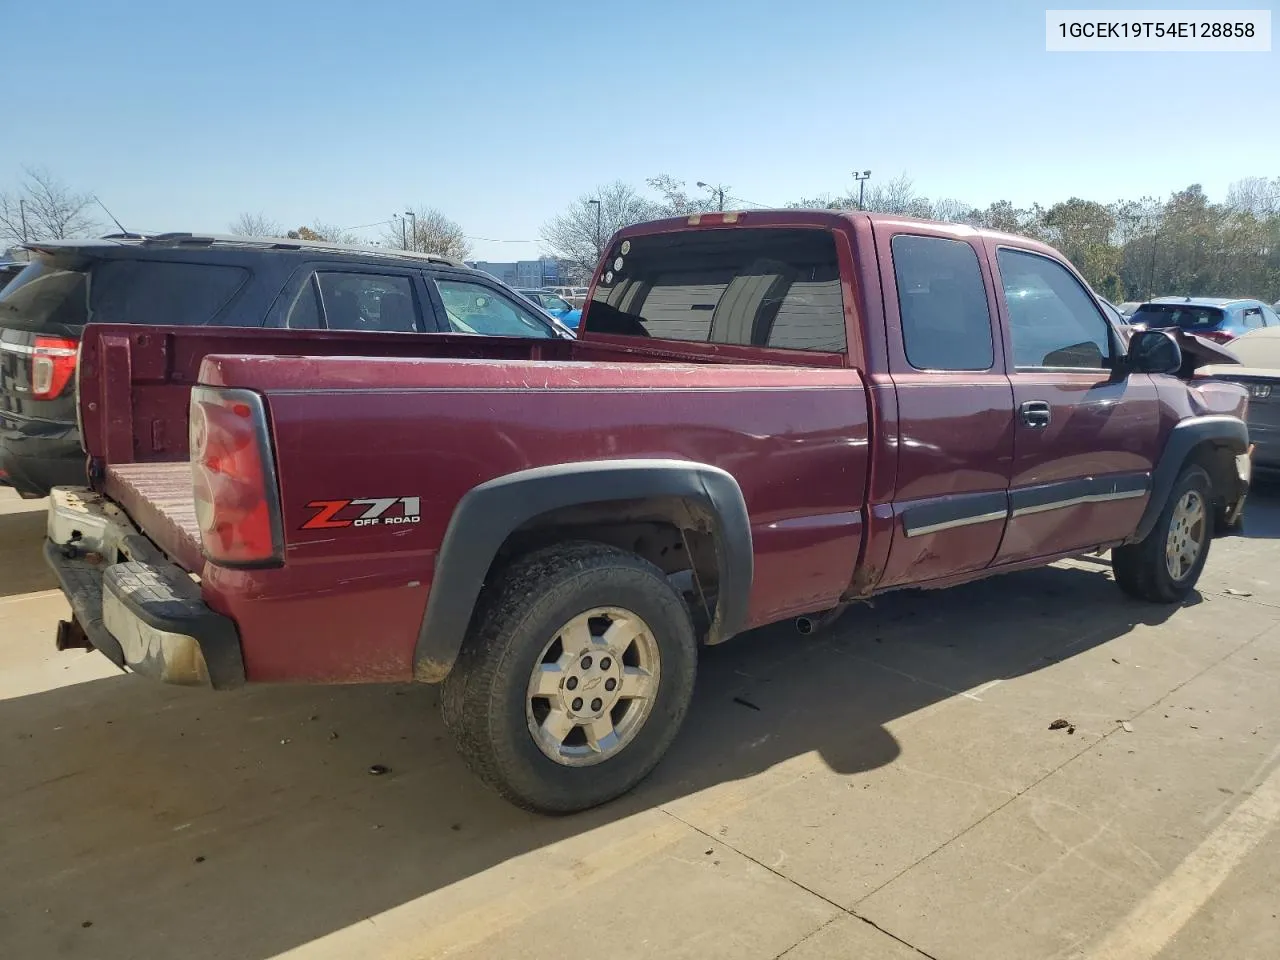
{"type": "Point", "coordinates": [489, 513]}
{"type": "Point", "coordinates": [1219, 431]}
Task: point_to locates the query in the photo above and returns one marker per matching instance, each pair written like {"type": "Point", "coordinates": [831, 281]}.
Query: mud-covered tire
{"type": "Point", "coordinates": [485, 698]}
{"type": "Point", "coordinates": [1142, 569]}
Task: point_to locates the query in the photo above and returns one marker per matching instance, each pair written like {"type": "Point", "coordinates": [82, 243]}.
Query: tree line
{"type": "Point", "coordinates": [1181, 245]}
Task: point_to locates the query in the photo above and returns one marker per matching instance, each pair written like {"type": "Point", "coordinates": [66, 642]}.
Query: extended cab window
{"type": "Point", "coordinates": [946, 324]}
{"type": "Point", "coordinates": [363, 301]}
{"type": "Point", "coordinates": [475, 308]}
{"type": "Point", "coordinates": [762, 287]}
{"type": "Point", "coordinates": [1253, 318]}
{"type": "Point", "coordinates": [1053, 321]}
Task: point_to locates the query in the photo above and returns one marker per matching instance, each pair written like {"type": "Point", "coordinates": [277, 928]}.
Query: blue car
{"type": "Point", "coordinates": [554, 304]}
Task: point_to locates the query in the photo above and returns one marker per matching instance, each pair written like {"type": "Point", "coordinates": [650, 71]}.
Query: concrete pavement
{"type": "Point", "coordinates": [889, 789]}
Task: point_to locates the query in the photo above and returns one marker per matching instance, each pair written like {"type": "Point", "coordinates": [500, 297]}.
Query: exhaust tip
{"type": "Point", "coordinates": [804, 626]}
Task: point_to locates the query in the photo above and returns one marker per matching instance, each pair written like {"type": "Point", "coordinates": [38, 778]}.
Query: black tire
{"type": "Point", "coordinates": [484, 697]}
{"type": "Point", "coordinates": [1140, 568]}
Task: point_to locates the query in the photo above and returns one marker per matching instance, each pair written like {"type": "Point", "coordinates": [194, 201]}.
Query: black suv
{"type": "Point", "coordinates": [210, 280]}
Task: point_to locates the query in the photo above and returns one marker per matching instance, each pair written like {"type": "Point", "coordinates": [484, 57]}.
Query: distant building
{"type": "Point", "coordinates": [523, 274]}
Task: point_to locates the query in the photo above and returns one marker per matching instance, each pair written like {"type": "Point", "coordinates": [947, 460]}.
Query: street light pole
{"type": "Point", "coordinates": [862, 179]}
{"type": "Point", "coordinates": [413, 228]}
{"type": "Point", "coordinates": [717, 190]}
{"type": "Point", "coordinates": [599, 248]}
{"type": "Point", "coordinates": [404, 240]}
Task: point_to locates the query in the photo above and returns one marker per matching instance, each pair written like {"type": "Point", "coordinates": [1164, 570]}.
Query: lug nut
{"type": "Point", "coordinates": [605, 663]}
{"type": "Point", "coordinates": [577, 703]}
{"type": "Point", "coordinates": [611, 684]}
{"type": "Point", "coordinates": [586, 663]}
{"type": "Point", "coordinates": [597, 703]}
{"type": "Point", "coordinates": [572, 683]}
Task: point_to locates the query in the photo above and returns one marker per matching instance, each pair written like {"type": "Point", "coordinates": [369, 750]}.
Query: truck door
{"type": "Point", "coordinates": [1085, 440]}
{"type": "Point", "coordinates": [955, 406]}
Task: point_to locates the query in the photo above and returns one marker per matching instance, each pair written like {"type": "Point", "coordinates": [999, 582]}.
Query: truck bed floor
{"type": "Point", "coordinates": [159, 498]}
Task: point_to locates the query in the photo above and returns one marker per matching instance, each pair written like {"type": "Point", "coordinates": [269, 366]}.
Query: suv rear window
{"type": "Point", "coordinates": [767, 287]}
{"type": "Point", "coordinates": [1186, 316]}
{"type": "Point", "coordinates": [47, 297]}
{"type": "Point", "coordinates": [61, 294]}
{"type": "Point", "coordinates": [161, 292]}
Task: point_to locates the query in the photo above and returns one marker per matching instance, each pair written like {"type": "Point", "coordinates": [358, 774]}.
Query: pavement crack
{"type": "Point", "coordinates": [843, 910]}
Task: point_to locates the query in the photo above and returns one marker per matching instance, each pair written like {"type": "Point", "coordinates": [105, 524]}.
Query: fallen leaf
{"type": "Point", "coordinates": [1232, 592]}
{"type": "Point", "coordinates": [378, 769]}
{"type": "Point", "coordinates": [1126, 726]}
{"type": "Point", "coordinates": [1059, 724]}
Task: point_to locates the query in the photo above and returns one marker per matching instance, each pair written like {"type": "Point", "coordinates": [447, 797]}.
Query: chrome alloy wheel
{"type": "Point", "coordinates": [593, 687]}
{"type": "Point", "coordinates": [1186, 535]}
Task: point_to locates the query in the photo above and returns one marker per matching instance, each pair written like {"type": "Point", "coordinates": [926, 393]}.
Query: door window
{"type": "Point", "coordinates": [368, 301]}
{"type": "Point", "coordinates": [946, 324]}
{"type": "Point", "coordinates": [1053, 321]}
{"type": "Point", "coordinates": [475, 308]}
{"type": "Point", "coordinates": [1253, 318]}
{"type": "Point", "coordinates": [305, 312]}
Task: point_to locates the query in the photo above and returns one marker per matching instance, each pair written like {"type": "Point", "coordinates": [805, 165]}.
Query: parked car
{"type": "Point", "coordinates": [556, 305]}
{"type": "Point", "coordinates": [1128, 308]}
{"type": "Point", "coordinates": [1258, 371]}
{"type": "Point", "coordinates": [576, 296]}
{"type": "Point", "coordinates": [203, 280]}
{"type": "Point", "coordinates": [1220, 319]}
{"type": "Point", "coordinates": [552, 528]}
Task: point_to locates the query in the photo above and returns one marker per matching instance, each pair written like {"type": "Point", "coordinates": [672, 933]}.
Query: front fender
{"type": "Point", "coordinates": [1218, 432]}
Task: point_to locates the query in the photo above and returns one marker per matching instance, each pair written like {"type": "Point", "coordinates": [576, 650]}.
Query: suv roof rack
{"type": "Point", "coordinates": [284, 243]}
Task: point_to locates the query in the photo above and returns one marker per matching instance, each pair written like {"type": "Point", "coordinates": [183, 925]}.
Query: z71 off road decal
{"type": "Point", "coordinates": [331, 514]}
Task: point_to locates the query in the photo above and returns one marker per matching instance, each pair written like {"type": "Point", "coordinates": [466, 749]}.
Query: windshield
{"type": "Point", "coordinates": [1183, 315]}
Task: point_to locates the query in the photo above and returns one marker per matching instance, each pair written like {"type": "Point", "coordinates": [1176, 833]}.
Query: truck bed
{"type": "Point", "coordinates": [159, 499]}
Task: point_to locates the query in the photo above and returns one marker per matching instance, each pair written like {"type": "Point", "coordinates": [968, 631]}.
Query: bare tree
{"type": "Point", "coordinates": [579, 234]}
{"type": "Point", "coordinates": [676, 202]}
{"type": "Point", "coordinates": [255, 225]}
{"type": "Point", "coordinates": [328, 232]}
{"type": "Point", "coordinates": [45, 208]}
{"type": "Point", "coordinates": [429, 231]}
{"type": "Point", "coordinates": [1256, 195]}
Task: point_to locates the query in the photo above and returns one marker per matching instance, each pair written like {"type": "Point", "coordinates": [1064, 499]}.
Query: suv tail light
{"type": "Point", "coordinates": [1217, 336]}
{"type": "Point", "coordinates": [53, 364]}
{"type": "Point", "coordinates": [237, 505]}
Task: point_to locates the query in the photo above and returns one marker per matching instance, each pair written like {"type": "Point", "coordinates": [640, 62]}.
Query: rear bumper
{"type": "Point", "coordinates": [134, 606]}
{"type": "Point", "coordinates": [36, 462]}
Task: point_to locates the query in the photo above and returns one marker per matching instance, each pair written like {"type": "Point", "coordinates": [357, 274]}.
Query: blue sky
{"type": "Point", "coordinates": [182, 115]}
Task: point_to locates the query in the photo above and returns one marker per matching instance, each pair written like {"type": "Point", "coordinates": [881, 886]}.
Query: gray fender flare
{"type": "Point", "coordinates": [1220, 431]}
{"type": "Point", "coordinates": [487, 514]}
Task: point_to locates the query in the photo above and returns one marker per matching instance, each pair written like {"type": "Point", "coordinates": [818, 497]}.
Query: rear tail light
{"type": "Point", "coordinates": [53, 364]}
{"type": "Point", "coordinates": [237, 505]}
{"type": "Point", "coordinates": [1217, 336]}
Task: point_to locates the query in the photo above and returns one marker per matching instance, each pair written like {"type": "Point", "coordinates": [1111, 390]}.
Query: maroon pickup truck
{"type": "Point", "coordinates": [768, 415]}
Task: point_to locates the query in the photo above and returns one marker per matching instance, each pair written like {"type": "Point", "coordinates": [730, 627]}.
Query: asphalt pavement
{"type": "Point", "coordinates": [890, 788]}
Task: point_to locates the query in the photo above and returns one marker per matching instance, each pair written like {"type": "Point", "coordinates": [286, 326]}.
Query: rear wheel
{"type": "Point", "coordinates": [1164, 567]}
{"type": "Point", "coordinates": [575, 679]}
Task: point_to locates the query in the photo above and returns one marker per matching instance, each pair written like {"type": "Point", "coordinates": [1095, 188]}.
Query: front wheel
{"type": "Point", "coordinates": [575, 678]}
{"type": "Point", "coordinates": [1164, 567]}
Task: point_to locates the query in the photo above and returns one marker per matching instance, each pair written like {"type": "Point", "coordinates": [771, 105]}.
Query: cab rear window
{"type": "Point", "coordinates": [762, 287]}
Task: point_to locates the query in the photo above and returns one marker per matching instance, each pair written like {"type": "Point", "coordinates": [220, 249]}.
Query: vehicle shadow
{"type": "Point", "coordinates": [242, 824]}
{"type": "Point", "coordinates": [22, 569]}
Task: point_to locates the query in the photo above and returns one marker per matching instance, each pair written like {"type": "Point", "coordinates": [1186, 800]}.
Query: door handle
{"type": "Point", "coordinates": [1036, 414]}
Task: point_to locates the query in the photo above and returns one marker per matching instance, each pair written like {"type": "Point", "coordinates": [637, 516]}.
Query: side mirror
{"type": "Point", "coordinates": [1153, 351]}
